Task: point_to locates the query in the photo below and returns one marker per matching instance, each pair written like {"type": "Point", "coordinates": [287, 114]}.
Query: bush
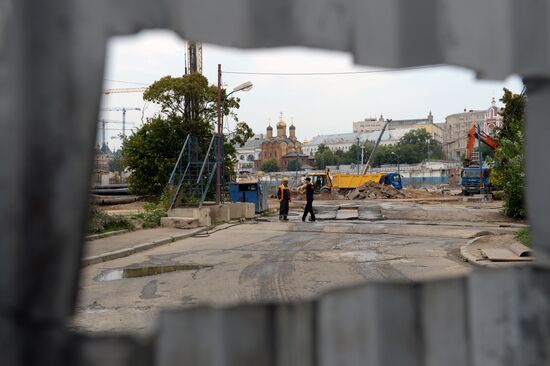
{"type": "Point", "coordinates": [99, 222]}
{"type": "Point", "coordinates": [152, 215]}
{"type": "Point", "coordinates": [270, 166]}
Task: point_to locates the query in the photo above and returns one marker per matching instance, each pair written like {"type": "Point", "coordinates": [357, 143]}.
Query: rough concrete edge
{"type": "Point", "coordinates": [105, 235]}
{"type": "Point", "coordinates": [105, 257]}
{"type": "Point", "coordinates": [469, 257]}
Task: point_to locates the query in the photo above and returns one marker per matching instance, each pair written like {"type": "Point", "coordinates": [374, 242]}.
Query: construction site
{"type": "Point", "coordinates": [179, 257]}
{"type": "Point", "coordinates": [368, 226]}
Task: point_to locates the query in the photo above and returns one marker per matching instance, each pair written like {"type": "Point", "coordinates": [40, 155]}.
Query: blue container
{"type": "Point", "coordinates": [255, 193]}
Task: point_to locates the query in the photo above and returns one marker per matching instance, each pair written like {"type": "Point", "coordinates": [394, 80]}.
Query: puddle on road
{"type": "Point", "coordinates": [118, 274]}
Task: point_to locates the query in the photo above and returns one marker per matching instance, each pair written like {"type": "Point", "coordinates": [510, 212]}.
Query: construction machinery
{"type": "Point", "coordinates": [475, 177]}
{"type": "Point", "coordinates": [123, 110]}
{"type": "Point", "coordinates": [342, 183]}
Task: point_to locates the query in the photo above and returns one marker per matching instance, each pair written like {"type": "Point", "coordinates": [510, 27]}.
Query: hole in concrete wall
{"type": "Point", "coordinates": [414, 238]}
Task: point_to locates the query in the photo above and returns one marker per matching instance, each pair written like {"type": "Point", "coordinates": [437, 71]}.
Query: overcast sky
{"type": "Point", "coordinates": [317, 104]}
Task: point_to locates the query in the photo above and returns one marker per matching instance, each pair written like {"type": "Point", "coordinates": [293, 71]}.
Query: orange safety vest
{"type": "Point", "coordinates": [284, 193]}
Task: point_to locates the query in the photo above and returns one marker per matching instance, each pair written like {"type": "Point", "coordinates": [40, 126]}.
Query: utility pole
{"type": "Point", "coordinates": [362, 155]}
{"type": "Point", "coordinates": [481, 187]}
{"type": "Point", "coordinates": [357, 155]}
{"type": "Point", "coordinates": [103, 123]}
{"type": "Point", "coordinates": [220, 130]}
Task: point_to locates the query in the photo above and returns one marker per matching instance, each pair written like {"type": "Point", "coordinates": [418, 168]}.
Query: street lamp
{"type": "Point", "coordinates": [397, 156]}
{"type": "Point", "coordinates": [242, 87]}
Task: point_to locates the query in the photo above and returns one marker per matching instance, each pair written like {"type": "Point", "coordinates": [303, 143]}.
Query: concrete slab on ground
{"type": "Point", "coordinates": [473, 250]}
{"type": "Point", "coordinates": [347, 215]}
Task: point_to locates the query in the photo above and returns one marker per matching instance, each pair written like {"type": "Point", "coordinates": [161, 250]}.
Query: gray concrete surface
{"type": "Point", "coordinates": [127, 240]}
{"type": "Point", "coordinates": [276, 261]}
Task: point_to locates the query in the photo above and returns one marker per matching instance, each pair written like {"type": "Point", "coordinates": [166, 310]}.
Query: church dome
{"type": "Point", "coordinates": [292, 127]}
{"type": "Point", "coordinates": [270, 128]}
{"type": "Point", "coordinates": [281, 123]}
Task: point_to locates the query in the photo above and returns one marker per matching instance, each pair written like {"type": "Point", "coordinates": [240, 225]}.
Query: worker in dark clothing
{"type": "Point", "coordinates": [308, 189]}
{"type": "Point", "coordinates": [283, 194]}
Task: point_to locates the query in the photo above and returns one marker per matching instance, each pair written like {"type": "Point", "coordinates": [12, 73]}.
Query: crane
{"type": "Point", "coordinates": [123, 110]}
{"type": "Point", "coordinates": [376, 146]}
{"type": "Point", "coordinates": [473, 134]}
{"type": "Point", "coordinates": [123, 90]}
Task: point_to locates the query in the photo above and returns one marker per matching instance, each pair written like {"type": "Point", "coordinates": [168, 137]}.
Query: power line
{"type": "Point", "coordinates": [305, 73]}
{"type": "Point", "coordinates": [331, 72]}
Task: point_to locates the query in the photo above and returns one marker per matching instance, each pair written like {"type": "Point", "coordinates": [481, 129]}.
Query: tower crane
{"type": "Point", "coordinates": [123, 110]}
{"type": "Point", "coordinates": [123, 90]}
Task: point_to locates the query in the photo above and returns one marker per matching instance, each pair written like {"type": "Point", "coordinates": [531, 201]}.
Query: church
{"type": "Point", "coordinates": [283, 148]}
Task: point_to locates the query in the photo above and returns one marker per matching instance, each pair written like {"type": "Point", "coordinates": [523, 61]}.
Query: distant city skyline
{"type": "Point", "coordinates": [317, 104]}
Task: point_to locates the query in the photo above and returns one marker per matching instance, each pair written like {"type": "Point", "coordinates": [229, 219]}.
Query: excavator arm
{"type": "Point", "coordinates": [472, 137]}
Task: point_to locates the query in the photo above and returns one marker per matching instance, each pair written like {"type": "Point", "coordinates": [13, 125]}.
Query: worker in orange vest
{"type": "Point", "coordinates": [283, 194]}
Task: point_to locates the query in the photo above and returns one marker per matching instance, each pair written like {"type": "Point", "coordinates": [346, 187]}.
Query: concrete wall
{"type": "Point", "coordinates": [52, 57]}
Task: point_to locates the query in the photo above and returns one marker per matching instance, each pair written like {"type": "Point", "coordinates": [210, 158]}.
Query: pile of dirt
{"type": "Point", "coordinates": [374, 190]}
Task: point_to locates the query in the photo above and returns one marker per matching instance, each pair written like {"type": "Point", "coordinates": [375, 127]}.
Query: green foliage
{"type": "Point", "coordinates": [326, 157]}
{"type": "Point", "coordinates": [152, 214]}
{"type": "Point", "coordinates": [508, 172]}
{"type": "Point", "coordinates": [512, 115]}
{"type": "Point", "coordinates": [115, 164]}
{"type": "Point", "coordinates": [188, 106]}
{"type": "Point", "coordinates": [419, 145]}
{"type": "Point", "coordinates": [270, 166]}
{"type": "Point", "coordinates": [238, 137]}
{"type": "Point", "coordinates": [413, 148]}
{"type": "Point", "coordinates": [294, 165]}
{"type": "Point", "coordinates": [522, 235]}
{"type": "Point", "coordinates": [99, 222]}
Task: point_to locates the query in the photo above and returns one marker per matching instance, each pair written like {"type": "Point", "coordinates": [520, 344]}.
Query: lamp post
{"type": "Point", "coordinates": [219, 158]}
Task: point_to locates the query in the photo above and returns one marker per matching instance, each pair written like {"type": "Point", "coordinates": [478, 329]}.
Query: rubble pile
{"type": "Point", "coordinates": [373, 190]}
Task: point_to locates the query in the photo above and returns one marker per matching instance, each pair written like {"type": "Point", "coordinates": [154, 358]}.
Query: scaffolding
{"type": "Point", "coordinates": [193, 173]}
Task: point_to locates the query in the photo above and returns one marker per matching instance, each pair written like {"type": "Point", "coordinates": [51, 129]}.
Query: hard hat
{"type": "Point", "coordinates": [285, 179]}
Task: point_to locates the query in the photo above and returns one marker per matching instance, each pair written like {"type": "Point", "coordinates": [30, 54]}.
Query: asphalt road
{"type": "Point", "coordinates": [271, 261]}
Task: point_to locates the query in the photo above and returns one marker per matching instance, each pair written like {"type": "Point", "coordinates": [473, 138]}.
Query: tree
{"type": "Point", "coordinates": [115, 164]}
{"type": "Point", "coordinates": [294, 165]}
{"type": "Point", "coordinates": [188, 106]}
{"type": "Point", "coordinates": [508, 172]}
{"type": "Point", "coordinates": [270, 166]}
{"type": "Point", "coordinates": [419, 145]}
{"type": "Point", "coordinates": [324, 157]}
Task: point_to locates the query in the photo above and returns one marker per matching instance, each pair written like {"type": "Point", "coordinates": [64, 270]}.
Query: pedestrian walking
{"type": "Point", "coordinates": [308, 189]}
{"type": "Point", "coordinates": [283, 194]}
